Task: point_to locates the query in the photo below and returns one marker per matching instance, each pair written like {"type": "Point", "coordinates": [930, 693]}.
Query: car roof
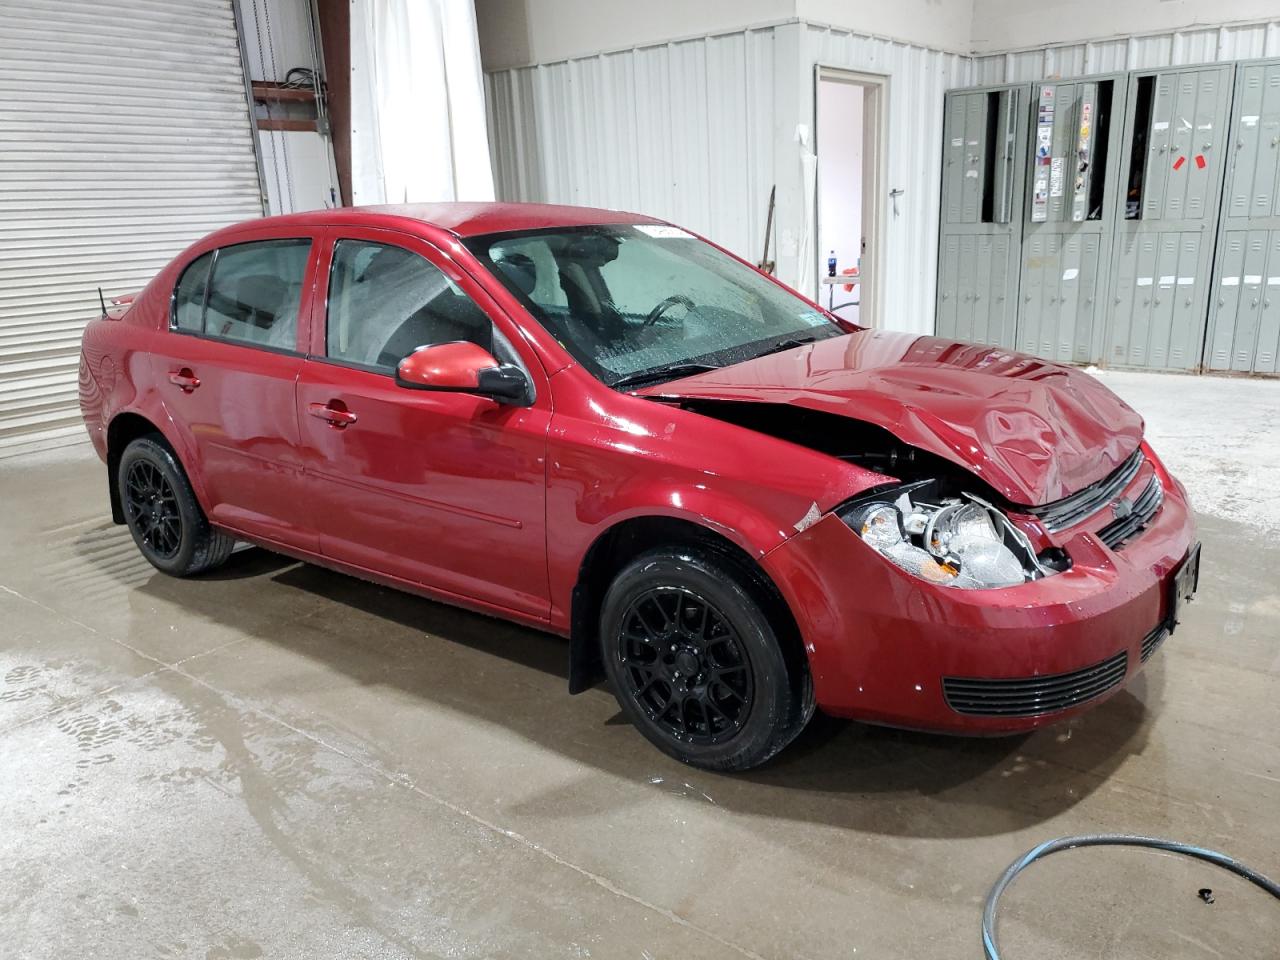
{"type": "Point", "coordinates": [461, 219]}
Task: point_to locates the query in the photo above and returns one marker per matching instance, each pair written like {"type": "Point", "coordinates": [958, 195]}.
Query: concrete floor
{"type": "Point", "coordinates": [279, 761]}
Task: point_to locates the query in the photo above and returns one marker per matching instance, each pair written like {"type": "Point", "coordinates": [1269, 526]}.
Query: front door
{"type": "Point", "coordinates": [443, 489]}
{"type": "Point", "coordinates": [227, 370]}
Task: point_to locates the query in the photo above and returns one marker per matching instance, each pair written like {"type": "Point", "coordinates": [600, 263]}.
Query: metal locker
{"type": "Point", "coordinates": [1172, 165]}
{"type": "Point", "coordinates": [1269, 320]}
{"type": "Point", "coordinates": [1182, 347]}
{"type": "Point", "coordinates": [977, 333]}
{"type": "Point", "coordinates": [1083, 345]}
{"type": "Point", "coordinates": [984, 131]}
{"type": "Point", "coordinates": [1072, 172]}
{"type": "Point", "coordinates": [948, 284]}
{"type": "Point", "coordinates": [1230, 268]}
{"type": "Point", "coordinates": [1249, 309]}
{"type": "Point", "coordinates": [1243, 311]}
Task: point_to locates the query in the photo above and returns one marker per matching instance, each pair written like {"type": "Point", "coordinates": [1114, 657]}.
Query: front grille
{"type": "Point", "coordinates": [1152, 641]}
{"type": "Point", "coordinates": [1122, 529]}
{"type": "Point", "coordinates": [1033, 696]}
{"type": "Point", "coordinates": [1083, 504]}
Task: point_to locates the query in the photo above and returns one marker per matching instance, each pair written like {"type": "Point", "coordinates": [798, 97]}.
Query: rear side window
{"type": "Point", "coordinates": [254, 293]}
{"type": "Point", "coordinates": [188, 298]}
{"type": "Point", "coordinates": [385, 302]}
{"type": "Point", "coordinates": [249, 293]}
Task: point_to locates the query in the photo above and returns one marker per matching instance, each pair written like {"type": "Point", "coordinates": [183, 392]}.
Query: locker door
{"type": "Point", "coordinates": [1051, 287]}
{"type": "Point", "coordinates": [975, 128]}
{"type": "Point", "coordinates": [982, 305]}
{"type": "Point", "coordinates": [1269, 323]}
{"type": "Point", "coordinates": [1124, 301]}
{"type": "Point", "coordinates": [1197, 140]}
{"type": "Point", "coordinates": [1163, 286]}
{"type": "Point", "coordinates": [1002, 308]}
{"type": "Point", "coordinates": [1247, 315]}
{"type": "Point", "coordinates": [1247, 173]}
{"type": "Point", "coordinates": [953, 156]}
{"type": "Point", "coordinates": [964, 310]}
{"type": "Point", "coordinates": [1032, 306]}
{"type": "Point", "coordinates": [1162, 104]}
{"type": "Point", "coordinates": [1140, 326]}
{"type": "Point", "coordinates": [1184, 340]}
{"type": "Point", "coordinates": [1228, 299]}
{"type": "Point", "coordinates": [1061, 336]}
{"type": "Point", "coordinates": [948, 287]}
{"type": "Point", "coordinates": [1082, 349]}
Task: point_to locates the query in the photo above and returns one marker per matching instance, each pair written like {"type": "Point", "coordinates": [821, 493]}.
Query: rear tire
{"type": "Point", "coordinates": [696, 662]}
{"type": "Point", "coordinates": [163, 514]}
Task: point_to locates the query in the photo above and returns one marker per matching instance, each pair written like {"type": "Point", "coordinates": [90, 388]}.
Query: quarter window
{"type": "Point", "coordinates": [188, 298]}
{"type": "Point", "coordinates": [385, 302]}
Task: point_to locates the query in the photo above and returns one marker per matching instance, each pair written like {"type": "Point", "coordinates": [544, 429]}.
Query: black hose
{"type": "Point", "coordinates": [1106, 840]}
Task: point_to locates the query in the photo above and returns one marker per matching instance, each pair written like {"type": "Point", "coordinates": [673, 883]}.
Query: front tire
{"type": "Point", "coordinates": [696, 662]}
{"type": "Point", "coordinates": [163, 514]}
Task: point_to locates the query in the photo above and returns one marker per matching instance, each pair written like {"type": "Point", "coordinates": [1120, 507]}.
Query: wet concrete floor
{"type": "Point", "coordinates": [279, 761]}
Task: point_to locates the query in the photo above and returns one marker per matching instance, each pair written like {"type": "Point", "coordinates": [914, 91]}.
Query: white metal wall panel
{"type": "Point", "coordinates": [917, 79]}
{"type": "Point", "coordinates": [681, 131]}
{"type": "Point", "coordinates": [1173, 49]}
{"type": "Point", "coordinates": [124, 135]}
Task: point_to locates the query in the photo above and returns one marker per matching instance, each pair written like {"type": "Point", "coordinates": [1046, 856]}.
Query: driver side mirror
{"type": "Point", "coordinates": [464, 367]}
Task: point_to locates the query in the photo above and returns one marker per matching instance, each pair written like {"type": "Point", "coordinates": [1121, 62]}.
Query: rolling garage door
{"type": "Point", "coordinates": [124, 135]}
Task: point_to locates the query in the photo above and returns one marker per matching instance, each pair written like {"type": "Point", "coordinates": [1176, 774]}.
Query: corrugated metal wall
{"type": "Point", "coordinates": [697, 132]}
{"type": "Point", "coordinates": [682, 131]}
{"type": "Point", "coordinates": [1180, 48]}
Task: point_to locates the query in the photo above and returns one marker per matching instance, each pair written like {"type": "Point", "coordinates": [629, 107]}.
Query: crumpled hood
{"type": "Point", "coordinates": [1035, 431]}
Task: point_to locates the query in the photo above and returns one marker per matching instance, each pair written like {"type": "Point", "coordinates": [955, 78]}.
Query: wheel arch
{"type": "Point", "coordinates": [124, 428]}
{"type": "Point", "coordinates": [628, 538]}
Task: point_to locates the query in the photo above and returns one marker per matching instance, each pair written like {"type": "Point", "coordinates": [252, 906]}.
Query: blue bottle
{"type": "Point", "coordinates": [831, 264]}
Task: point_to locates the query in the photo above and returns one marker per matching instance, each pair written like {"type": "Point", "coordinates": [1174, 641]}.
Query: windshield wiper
{"type": "Point", "coordinates": [789, 344]}
{"type": "Point", "coordinates": [670, 372]}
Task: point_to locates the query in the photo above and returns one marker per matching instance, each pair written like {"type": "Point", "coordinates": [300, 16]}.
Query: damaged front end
{"type": "Point", "coordinates": [931, 518]}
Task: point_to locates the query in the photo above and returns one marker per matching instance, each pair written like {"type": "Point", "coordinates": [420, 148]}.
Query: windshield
{"type": "Point", "coordinates": [640, 303]}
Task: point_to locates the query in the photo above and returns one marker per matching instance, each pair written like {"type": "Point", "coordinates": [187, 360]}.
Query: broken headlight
{"type": "Point", "coordinates": [961, 542]}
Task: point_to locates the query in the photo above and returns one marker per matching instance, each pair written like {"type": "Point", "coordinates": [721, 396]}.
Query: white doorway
{"type": "Point", "coordinates": [850, 112]}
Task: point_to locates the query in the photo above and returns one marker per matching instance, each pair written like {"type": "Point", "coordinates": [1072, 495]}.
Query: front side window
{"type": "Point", "coordinates": [637, 302]}
{"type": "Point", "coordinates": [248, 293]}
{"type": "Point", "coordinates": [386, 301]}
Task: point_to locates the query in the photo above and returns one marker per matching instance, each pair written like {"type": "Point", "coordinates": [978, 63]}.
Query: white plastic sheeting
{"type": "Point", "coordinates": [417, 103]}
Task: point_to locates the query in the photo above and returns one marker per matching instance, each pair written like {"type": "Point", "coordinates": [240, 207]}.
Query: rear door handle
{"type": "Point", "coordinates": [334, 413]}
{"type": "Point", "coordinates": [184, 379]}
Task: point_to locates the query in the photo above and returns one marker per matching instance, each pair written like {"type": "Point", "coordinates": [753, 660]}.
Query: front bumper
{"type": "Point", "coordinates": [885, 647]}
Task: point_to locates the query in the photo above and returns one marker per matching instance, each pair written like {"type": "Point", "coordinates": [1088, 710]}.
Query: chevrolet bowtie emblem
{"type": "Point", "coordinates": [1122, 508]}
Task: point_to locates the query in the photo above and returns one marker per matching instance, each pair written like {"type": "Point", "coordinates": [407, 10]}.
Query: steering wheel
{"type": "Point", "coordinates": [656, 313]}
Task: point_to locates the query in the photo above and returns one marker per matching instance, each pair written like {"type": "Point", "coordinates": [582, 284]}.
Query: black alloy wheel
{"type": "Point", "coordinates": [703, 657]}
{"type": "Point", "coordinates": [151, 507]}
{"type": "Point", "coordinates": [685, 665]}
{"type": "Point", "coordinates": [162, 512]}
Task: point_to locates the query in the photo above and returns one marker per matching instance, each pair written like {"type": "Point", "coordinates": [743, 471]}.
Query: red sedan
{"type": "Point", "coordinates": [736, 506]}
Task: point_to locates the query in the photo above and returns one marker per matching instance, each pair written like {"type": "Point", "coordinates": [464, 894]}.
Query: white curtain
{"type": "Point", "coordinates": [418, 128]}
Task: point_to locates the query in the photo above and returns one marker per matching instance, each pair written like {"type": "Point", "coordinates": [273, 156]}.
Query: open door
{"type": "Point", "coordinates": [850, 149]}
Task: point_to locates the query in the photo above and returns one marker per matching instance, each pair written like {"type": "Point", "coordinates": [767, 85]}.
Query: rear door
{"type": "Point", "coordinates": [228, 370]}
{"type": "Point", "coordinates": [443, 489]}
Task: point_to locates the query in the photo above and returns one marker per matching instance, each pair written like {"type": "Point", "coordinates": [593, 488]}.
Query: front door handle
{"type": "Point", "coordinates": [184, 379]}
{"type": "Point", "coordinates": [334, 413]}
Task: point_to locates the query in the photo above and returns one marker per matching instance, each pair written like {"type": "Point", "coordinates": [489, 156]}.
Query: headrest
{"type": "Point", "coordinates": [521, 270]}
